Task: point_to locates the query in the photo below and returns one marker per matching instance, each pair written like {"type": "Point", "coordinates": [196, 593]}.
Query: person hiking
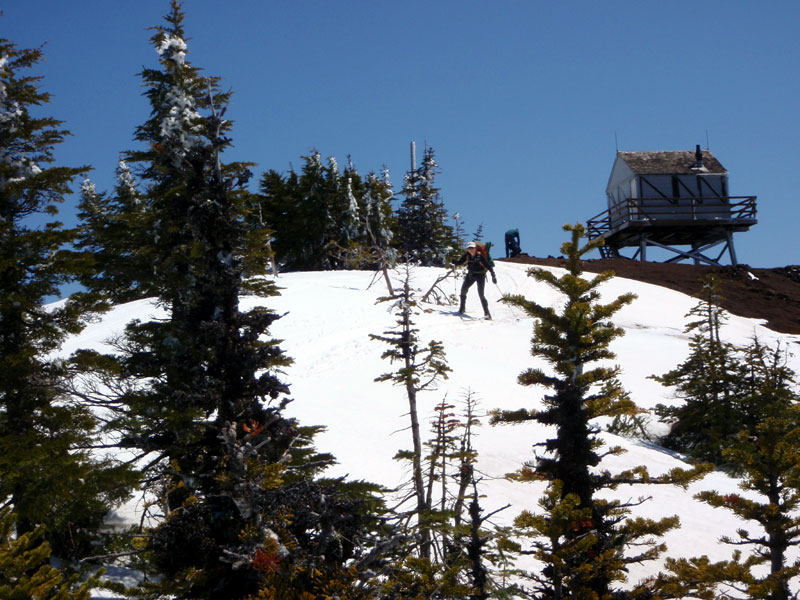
{"type": "Point", "coordinates": [477, 267]}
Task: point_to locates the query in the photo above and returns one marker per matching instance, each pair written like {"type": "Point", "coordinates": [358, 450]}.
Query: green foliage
{"type": "Point", "coordinates": [708, 381]}
{"type": "Point", "coordinates": [323, 219]}
{"type": "Point", "coordinates": [205, 359]}
{"type": "Point", "coordinates": [197, 396]}
{"type": "Point", "coordinates": [420, 368]}
{"type": "Point", "coordinates": [114, 233]}
{"type": "Point", "coordinates": [580, 538]}
{"type": "Point", "coordinates": [418, 577]}
{"type": "Point", "coordinates": [46, 473]}
{"type": "Point", "coordinates": [764, 453]}
{"type": "Point", "coordinates": [295, 210]}
{"type": "Point", "coordinates": [423, 235]}
{"type": "Point", "coordinates": [467, 553]}
{"type": "Point", "coordinates": [25, 571]}
{"type": "Point", "coordinates": [454, 548]}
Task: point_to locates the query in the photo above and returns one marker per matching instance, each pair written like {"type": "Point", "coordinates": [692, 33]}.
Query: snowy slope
{"type": "Point", "coordinates": [328, 317]}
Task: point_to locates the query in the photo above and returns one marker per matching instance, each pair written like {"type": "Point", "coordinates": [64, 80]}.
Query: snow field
{"type": "Point", "coordinates": [328, 317]}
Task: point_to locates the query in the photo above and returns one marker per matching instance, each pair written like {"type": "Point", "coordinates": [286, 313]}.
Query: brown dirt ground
{"type": "Point", "coordinates": [770, 294]}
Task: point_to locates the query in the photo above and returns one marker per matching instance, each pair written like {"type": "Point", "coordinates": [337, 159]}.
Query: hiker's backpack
{"type": "Point", "coordinates": [484, 250]}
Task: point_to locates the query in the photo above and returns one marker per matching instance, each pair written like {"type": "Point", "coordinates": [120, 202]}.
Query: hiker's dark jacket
{"type": "Point", "coordinates": [476, 265]}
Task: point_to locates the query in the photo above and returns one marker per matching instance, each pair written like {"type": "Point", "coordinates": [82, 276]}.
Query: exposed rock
{"type": "Point", "coordinates": [769, 294]}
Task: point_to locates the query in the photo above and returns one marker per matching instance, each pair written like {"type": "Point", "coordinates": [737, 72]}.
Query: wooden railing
{"type": "Point", "coordinates": [730, 209]}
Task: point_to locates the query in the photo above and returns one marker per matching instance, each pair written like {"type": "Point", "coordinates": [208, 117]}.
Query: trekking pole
{"type": "Point", "coordinates": [501, 292]}
{"type": "Point", "coordinates": [511, 307]}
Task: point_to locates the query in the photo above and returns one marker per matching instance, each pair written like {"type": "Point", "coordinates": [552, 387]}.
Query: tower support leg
{"type": "Point", "coordinates": [731, 250]}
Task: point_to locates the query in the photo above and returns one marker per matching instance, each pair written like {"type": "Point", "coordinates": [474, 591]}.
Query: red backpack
{"type": "Point", "coordinates": [483, 249]}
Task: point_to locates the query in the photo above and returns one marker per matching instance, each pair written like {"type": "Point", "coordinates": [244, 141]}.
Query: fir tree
{"type": "Point", "coordinates": [46, 473]}
{"type": "Point", "coordinates": [280, 210]}
{"type": "Point", "coordinates": [349, 245]}
{"type": "Point", "coordinates": [708, 381]}
{"type": "Point", "coordinates": [580, 538]}
{"type": "Point", "coordinates": [114, 234]}
{"type": "Point", "coordinates": [423, 235]}
{"type": "Point", "coordinates": [459, 234]}
{"type": "Point", "coordinates": [323, 219]}
{"type": "Point", "coordinates": [379, 225]}
{"type": "Point", "coordinates": [466, 550]}
{"type": "Point", "coordinates": [314, 205]}
{"type": "Point", "coordinates": [764, 453]}
{"type": "Point", "coordinates": [420, 368]}
{"type": "Point", "coordinates": [450, 558]}
{"type": "Point", "coordinates": [318, 216]}
{"type": "Point", "coordinates": [379, 221]}
{"type": "Point", "coordinates": [198, 394]}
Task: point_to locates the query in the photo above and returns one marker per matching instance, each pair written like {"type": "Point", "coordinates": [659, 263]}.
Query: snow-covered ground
{"type": "Point", "coordinates": [328, 317]}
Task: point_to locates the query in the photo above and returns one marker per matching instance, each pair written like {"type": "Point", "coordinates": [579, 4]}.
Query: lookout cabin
{"type": "Point", "coordinates": [678, 201]}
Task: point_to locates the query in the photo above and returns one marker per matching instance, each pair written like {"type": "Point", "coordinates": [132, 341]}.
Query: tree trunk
{"type": "Point", "coordinates": [409, 354]}
{"type": "Point", "coordinates": [419, 484]}
{"type": "Point", "coordinates": [778, 542]}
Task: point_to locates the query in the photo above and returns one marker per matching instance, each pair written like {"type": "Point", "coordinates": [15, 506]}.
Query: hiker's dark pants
{"type": "Point", "coordinates": [471, 278]}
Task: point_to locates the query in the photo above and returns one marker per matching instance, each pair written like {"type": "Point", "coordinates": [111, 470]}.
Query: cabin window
{"type": "Point", "coordinates": [676, 190]}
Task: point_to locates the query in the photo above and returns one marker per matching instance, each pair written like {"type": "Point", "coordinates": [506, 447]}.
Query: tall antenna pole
{"type": "Point", "coordinates": [413, 156]}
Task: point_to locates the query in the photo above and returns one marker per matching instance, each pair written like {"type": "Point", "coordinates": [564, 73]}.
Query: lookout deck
{"type": "Point", "coordinates": [699, 223]}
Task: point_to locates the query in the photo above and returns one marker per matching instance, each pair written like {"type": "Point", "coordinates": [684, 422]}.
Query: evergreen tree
{"type": "Point", "coordinates": [379, 220]}
{"type": "Point", "coordinates": [466, 551]}
{"type": "Point", "coordinates": [421, 367]}
{"type": "Point", "coordinates": [343, 214]}
{"type": "Point", "coordinates": [423, 235]}
{"type": "Point", "coordinates": [314, 212]}
{"type": "Point", "coordinates": [353, 221]}
{"type": "Point", "coordinates": [114, 233]}
{"type": "Point", "coordinates": [459, 234]}
{"type": "Point", "coordinates": [46, 473]}
{"type": "Point", "coordinates": [280, 210]}
{"type": "Point", "coordinates": [764, 453]}
{"type": "Point", "coordinates": [198, 394]}
{"type": "Point", "coordinates": [452, 549]}
{"type": "Point", "coordinates": [379, 223]}
{"type": "Point", "coordinates": [580, 537]}
{"type": "Point", "coordinates": [349, 246]}
{"type": "Point", "coordinates": [321, 219]}
{"type": "Point", "coordinates": [708, 381]}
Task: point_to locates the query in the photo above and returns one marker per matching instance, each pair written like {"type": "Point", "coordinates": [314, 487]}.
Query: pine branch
{"type": "Point", "coordinates": [105, 557]}
{"type": "Point", "coordinates": [435, 291]}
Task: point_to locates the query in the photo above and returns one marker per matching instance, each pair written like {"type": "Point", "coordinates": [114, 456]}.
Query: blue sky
{"type": "Point", "coordinates": [524, 102]}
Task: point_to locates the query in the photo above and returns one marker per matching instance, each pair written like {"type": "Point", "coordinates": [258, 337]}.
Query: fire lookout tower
{"type": "Point", "coordinates": [671, 200]}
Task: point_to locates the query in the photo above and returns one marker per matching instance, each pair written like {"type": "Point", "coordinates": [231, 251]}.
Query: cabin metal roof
{"type": "Point", "coordinates": [676, 162]}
